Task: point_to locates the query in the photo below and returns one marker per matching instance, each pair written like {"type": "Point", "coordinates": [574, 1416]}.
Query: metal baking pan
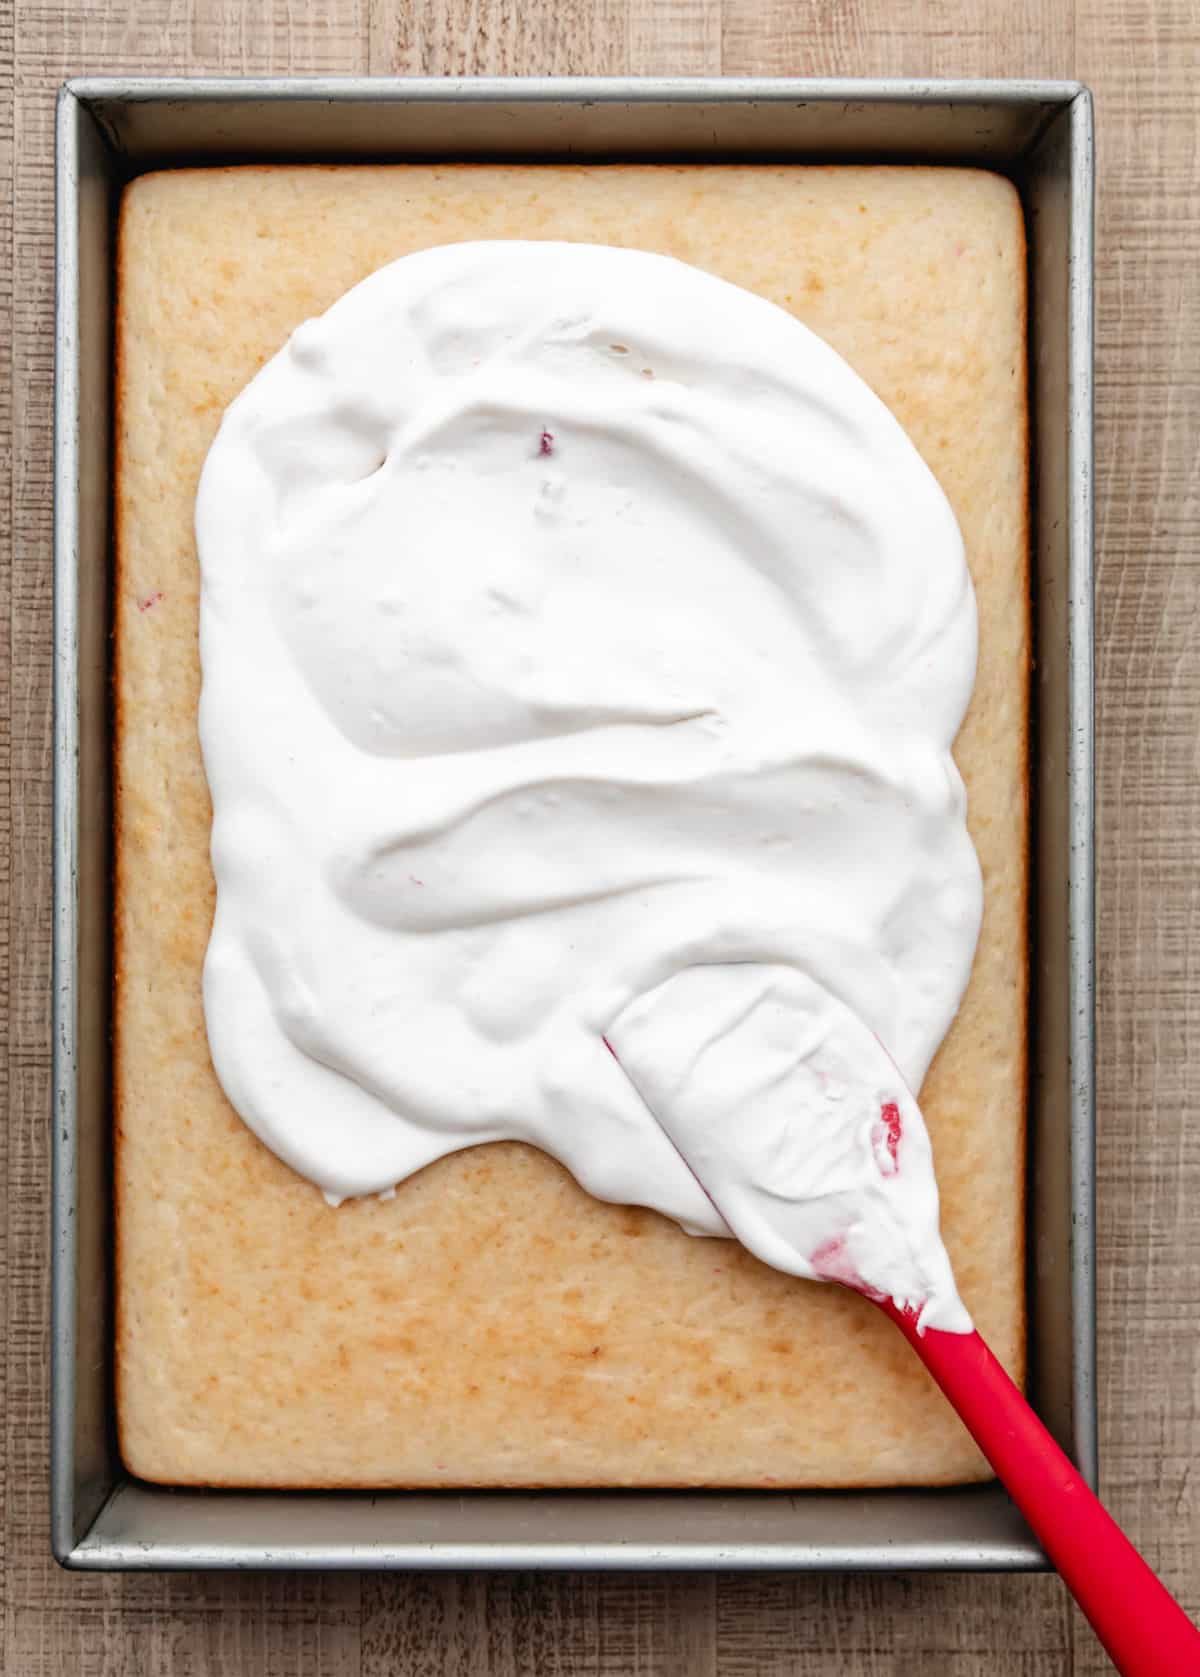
{"type": "Point", "coordinates": [1040, 133]}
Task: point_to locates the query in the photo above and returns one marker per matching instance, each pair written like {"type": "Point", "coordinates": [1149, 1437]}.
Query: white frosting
{"type": "Point", "coordinates": [796, 1120]}
{"type": "Point", "coordinates": [570, 618]}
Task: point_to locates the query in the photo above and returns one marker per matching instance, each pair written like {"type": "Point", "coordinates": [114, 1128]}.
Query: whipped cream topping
{"type": "Point", "coordinates": [571, 619]}
{"type": "Point", "coordinates": [793, 1116]}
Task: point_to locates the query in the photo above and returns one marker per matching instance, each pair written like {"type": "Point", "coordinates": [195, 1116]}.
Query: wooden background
{"type": "Point", "coordinates": [1141, 59]}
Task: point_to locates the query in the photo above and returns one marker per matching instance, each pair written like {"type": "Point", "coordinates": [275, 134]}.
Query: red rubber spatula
{"type": "Point", "coordinates": [776, 1151]}
{"type": "Point", "coordinates": [1143, 1627]}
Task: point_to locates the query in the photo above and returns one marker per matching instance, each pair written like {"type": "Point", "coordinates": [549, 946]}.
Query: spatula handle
{"type": "Point", "coordinates": [1146, 1632]}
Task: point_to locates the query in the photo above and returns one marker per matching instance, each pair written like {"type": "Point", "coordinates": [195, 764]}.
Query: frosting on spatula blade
{"type": "Point", "coordinates": [795, 1121]}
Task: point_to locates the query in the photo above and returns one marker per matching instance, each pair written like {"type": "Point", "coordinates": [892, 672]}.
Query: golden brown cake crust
{"type": "Point", "coordinates": [492, 1324]}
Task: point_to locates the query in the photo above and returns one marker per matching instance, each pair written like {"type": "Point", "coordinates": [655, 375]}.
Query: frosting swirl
{"type": "Point", "coordinates": [570, 619]}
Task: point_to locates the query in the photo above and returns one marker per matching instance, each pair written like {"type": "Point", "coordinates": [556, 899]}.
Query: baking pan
{"type": "Point", "coordinates": [1040, 133]}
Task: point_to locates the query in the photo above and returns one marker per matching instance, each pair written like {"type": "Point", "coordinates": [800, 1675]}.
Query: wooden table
{"type": "Point", "coordinates": [1141, 59]}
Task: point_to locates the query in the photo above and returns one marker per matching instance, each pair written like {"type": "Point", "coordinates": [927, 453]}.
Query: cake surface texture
{"type": "Point", "coordinates": [492, 1324]}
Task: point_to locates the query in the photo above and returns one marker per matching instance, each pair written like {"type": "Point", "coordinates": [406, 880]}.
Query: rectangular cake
{"type": "Point", "coordinates": [492, 1324]}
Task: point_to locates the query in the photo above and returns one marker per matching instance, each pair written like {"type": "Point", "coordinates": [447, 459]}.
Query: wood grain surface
{"type": "Point", "coordinates": [1141, 59]}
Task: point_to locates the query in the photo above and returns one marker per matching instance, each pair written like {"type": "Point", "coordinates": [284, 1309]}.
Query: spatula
{"type": "Point", "coordinates": [788, 1155]}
